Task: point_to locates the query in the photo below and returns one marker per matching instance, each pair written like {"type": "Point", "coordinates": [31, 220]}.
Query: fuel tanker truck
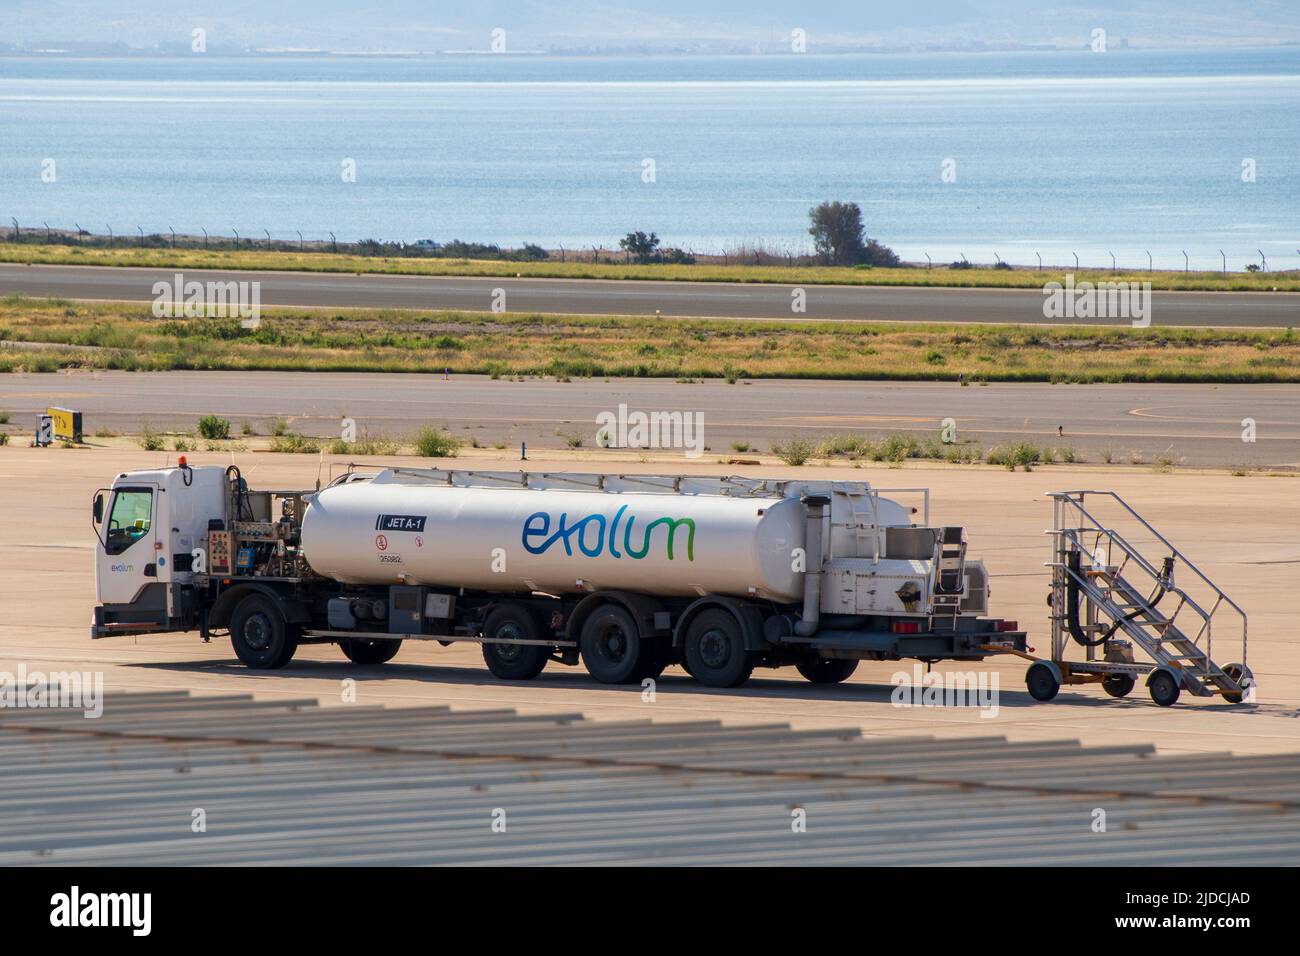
{"type": "Point", "coordinates": [625, 573]}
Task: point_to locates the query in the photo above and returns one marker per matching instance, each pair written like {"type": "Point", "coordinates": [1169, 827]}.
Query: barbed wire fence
{"type": "Point", "coordinates": [735, 254]}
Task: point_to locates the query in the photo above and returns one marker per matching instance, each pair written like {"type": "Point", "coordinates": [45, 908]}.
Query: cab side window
{"type": "Point", "coordinates": [128, 522]}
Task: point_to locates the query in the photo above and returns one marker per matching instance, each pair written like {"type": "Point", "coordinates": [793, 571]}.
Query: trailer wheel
{"type": "Point", "coordinates": [514, 622]}
{"type": "Point", "coordinates": [1042, 683]}
{"type": "Point", "coordinates": [260, 635]}
{"type": "Point", "coordinates": [1244, 678]}
{"type": "Point", "coordinates": [715, 650]}
{"type": "Point", "coordinates": [612, 648]}
{"type": "Point", "coordinates": [1164, 688]}
{"type": "Point", "coordinates": [827, 670]}
{"type": "Point", "coordinates": [1118, 685]}
{"type": "Point", "coordinates": [364, 652]}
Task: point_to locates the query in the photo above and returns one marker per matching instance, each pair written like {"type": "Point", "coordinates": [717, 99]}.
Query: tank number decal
{"type": "Point", "coordinates": [594, 533]}
{"type": "Point", "coordinates": [400, 523]}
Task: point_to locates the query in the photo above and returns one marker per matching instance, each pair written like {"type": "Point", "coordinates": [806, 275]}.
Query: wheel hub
{"type": "Point", "coordinates": [257, 632]}
{"type": "Point", "coordinates": [715, 649]}
{"type": "Point", "coordinates": [614, 644]}
{"type": "Point", "coordinates": [508, 652]}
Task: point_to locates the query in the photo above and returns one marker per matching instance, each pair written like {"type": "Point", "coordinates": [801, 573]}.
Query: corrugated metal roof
{"type": "Point", "coordinates": [293, 783]}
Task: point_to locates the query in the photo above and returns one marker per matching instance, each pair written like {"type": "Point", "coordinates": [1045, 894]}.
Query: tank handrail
{"type": "Point", "coordinates": [720, 485]}
{"type": "Point", "coordinates": [923, 492]}
{"type": "Point", "coordinates": [1068, 496]}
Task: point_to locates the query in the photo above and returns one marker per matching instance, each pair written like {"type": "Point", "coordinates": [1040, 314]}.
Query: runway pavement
{"type": "Point", "coordinates": [604, 297]}
{"type": "Point", "coordinates": [1196, 425]}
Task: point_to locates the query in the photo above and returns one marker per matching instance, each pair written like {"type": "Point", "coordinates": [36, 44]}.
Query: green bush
{"type": "Point", "coordinates": [1024, 454]}
{"type": "Point", "coordinates": [149, 439]}
{"type": "Point", "coordinates": [294, 444]}
{"type": "Point", "coordinates": [214, 428]}
{"type": "Point", "coordinates": [795, 451]}
{"type": "Point", "coordinates": [433, 442]}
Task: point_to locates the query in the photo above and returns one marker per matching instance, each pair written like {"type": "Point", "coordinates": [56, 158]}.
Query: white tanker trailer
{"type": "Point", "coordinates": [627, 573]}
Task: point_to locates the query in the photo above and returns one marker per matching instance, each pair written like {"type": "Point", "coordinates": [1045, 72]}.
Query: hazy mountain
{"type": "Point", "coordinates": [437, 25]}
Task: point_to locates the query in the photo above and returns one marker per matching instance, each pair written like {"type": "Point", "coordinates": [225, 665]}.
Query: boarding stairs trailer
{"type": "Point", "coordinates": [1110, 599]}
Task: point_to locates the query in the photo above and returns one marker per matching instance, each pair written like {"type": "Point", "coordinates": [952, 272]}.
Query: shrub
{"type": "Point", "coordinates": [4, 438]}
{"type": "Point", "coordinates": [4, 417]}
{"type": "Point", "coordinates": [291, 444]}
{"type": "Point", "coordinates": [795, 451]}
{"type": "Point", "coordinates": [212, 427]}
{"type": "Point", "coordinates": [433, 442]}
{"type": "Point", "coordinates": [1024, 454]}
{"type": "Point", "coordinates": [182, 444]}
{"type": "Point", "coordinates": [149, 439]}
{"type": "Point", "coordinates": [279, 426]}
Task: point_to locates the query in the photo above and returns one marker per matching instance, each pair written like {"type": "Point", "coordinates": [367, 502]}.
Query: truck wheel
{"type": "Point", "coordinates": [612, 648]}
{"type": "Point", "coordinates": [1118, 685]}
{"type": "Point", "coordinates": [514, 622]}
{"type": "Point", "coordinates": [361, 651]}
{"type": "Point", "coordinates": [827, 670]}
{"type": "Point", "coordinates": [261, 637]}
{"type": "Point", "coordinates": [715, 650]}
{"type": "Point", "coordinates": [1164, 688]}
{"type": "Point", "coordinates": [1042, 683]}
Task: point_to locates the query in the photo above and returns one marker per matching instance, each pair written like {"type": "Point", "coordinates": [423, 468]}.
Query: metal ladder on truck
{"type": "Point", "coordinates": [1110, 598]}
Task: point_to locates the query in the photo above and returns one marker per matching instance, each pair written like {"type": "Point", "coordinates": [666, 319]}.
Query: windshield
{"type": "Point", "coordinates": [129, 520]}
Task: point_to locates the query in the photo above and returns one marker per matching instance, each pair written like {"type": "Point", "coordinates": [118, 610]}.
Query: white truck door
{"type": "Point", "coordinates": [126, 556]}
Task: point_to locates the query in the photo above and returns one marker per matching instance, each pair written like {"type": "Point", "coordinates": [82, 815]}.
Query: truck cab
{"type": "Point", "coordinates": [149, 524]}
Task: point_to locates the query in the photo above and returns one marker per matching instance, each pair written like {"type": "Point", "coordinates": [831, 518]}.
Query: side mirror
{"type": "Point", "coordinates": [99, 508]}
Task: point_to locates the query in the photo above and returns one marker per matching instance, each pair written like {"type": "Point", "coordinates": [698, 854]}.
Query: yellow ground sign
{"type": "Point", "coordinates": [67, 424]}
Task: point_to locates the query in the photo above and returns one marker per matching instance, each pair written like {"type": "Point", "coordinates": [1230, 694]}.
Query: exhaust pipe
{"type": "Point", "coordinates": [812, 576]}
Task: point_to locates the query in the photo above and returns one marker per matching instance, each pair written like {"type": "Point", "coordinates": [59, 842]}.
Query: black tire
{"type": "Point", "coordinates": [1042, 683]}
{"type": "Point", "coordinates": [514, 621]}
{"type": "Point", "coordinates": [827, 670]}
{"type": "Point", "coordinates": [1118, 685]}
{"type": "Point", "coordinates": [1164, 688]}
{"type": "Point", "coordinates": [364, 652]}
{"type": "Point", "coordinates": [260, 635]}
{"type": "Point", "coordinates": [715, 649]}
{"type": "Point", "coordinates": [1238, 672]}
{"type": "Point", "coordinates": [612, 648]}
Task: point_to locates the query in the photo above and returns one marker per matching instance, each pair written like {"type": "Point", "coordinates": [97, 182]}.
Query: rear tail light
{"type": "Point", "coordinates": [907, 627]}
{"type": "Point", "coordinates": [1008, 626]}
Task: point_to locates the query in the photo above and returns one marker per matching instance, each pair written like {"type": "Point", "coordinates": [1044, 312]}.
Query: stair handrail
{"type": "Point", "coordinates": [1075, 499]}
{"type": "Point", "coordinates": [1187, 599]}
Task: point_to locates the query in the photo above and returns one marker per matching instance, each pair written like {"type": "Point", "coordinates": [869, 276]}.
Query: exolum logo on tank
{"type": "Point", "coordinates": [594, 534]}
